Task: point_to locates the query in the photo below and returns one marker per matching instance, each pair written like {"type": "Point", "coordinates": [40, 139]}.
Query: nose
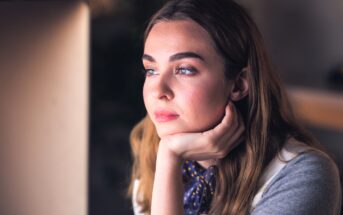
{"type": "Point", "coordinates": [162, 88]}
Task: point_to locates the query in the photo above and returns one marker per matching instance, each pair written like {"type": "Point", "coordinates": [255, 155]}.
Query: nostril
{"type": "Point", "coordinates": [165, 96]}
{"type": "Point", "coordinates": [159, 87]}
{"type": "Point", "coordinates": [163, 91]}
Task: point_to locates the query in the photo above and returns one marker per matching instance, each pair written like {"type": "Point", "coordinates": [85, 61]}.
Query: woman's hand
{"type": "Point", "coordinates": [212, 144]}
{"type": "Point", "coordinates": [167, 196]}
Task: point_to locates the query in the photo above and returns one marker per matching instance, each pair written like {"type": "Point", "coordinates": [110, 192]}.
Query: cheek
{"type": "Point", "coordinates": [205, 106]}
{"type": "Point", "coordinates": [146, 97]}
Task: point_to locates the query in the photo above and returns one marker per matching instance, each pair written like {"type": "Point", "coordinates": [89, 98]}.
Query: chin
{"type": "Point", "coordinates": [170, 129]}
{"type": "Point", "coordinates": [164, 133]}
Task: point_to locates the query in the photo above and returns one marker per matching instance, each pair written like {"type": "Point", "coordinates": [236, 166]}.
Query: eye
{"type": "Point", "coordinates": [149, 72]}
{"type": "Point", "coordinates": [185, 71]}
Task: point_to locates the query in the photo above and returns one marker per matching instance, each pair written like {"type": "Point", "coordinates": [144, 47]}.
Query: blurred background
{"type": "Point", "coordinates": [304, 40]}
{"type": "Point", "coordinates": [44, 84]}
{"type": "Point", "coordinates": [71, 84]}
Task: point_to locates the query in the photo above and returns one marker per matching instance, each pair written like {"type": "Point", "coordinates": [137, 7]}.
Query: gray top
{"type": "Point", "coordinates": [308, 184]}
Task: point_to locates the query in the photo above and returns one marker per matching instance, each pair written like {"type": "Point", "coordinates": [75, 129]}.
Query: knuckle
{"type": "Point", "coordinates": [215, 148]}
{"type": "Point", "coordinates": [220, 155]}
{"type": "Point", "coordinates": [219, 151]}
{"type": "Point", "coordinates": [242, 129]}
{"type": "Point", "coordinates": [212, 144]}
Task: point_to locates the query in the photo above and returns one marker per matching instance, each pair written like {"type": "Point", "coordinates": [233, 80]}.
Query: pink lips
{"type": "Point", "coordinates": [165, 116]}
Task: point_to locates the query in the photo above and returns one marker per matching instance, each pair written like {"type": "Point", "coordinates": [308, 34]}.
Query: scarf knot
{"type": "Point", "coordinates": [199, 187]}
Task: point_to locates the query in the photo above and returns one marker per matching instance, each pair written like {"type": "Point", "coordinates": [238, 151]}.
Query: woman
{"type": "Point", "coordinates": [220, 136]}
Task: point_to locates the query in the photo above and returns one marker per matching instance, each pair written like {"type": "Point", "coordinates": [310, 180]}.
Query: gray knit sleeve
{"type": "Point", "coordinates": [308, 185]}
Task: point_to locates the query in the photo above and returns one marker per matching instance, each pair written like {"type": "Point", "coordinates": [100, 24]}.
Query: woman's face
{"type": "Point", "coordinates": [185, 89]}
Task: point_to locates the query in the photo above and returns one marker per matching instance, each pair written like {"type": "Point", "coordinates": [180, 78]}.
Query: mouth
{"type": "Point", "coordinates": [165, 116]}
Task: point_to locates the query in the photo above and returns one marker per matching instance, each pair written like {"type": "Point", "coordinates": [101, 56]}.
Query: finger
{"type": "Point", "coordinates": [222, 134]}
{"type": "Point", "coordinates": [224, 137]}
{"type": "Point", "coordinates": [230, 126]}
{"type": "Point", "coordinates": [230, 115]}
{"type": "Point", "coordinates": [226, 122]}
{"type": "Point", "coordinates": [232, 142]}
{"type": "Point", "coordinates": [240, 140]}
{"type": "Point", "coordinates": [239, 118]}
{"type": "Point", "coordinates": [232, 137]}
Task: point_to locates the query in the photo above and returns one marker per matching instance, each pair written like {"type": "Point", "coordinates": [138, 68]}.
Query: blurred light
{"type": "Point", "coordinates": [102, 7]}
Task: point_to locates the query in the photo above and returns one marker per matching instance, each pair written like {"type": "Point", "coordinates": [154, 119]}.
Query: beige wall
{"type": "Point", "coordinates": [44, 108]}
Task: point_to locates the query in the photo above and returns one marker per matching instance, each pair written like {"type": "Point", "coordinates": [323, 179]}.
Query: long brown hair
{"type": "Point", "coordinates": [268, 116]}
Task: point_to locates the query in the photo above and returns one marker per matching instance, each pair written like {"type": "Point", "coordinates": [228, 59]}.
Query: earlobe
{"type": "Point", "coordinates": [240, 87]}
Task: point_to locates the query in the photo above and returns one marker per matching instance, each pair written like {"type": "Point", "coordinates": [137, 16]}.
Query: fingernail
{"type": "Point", "coordinates": [230, 103]}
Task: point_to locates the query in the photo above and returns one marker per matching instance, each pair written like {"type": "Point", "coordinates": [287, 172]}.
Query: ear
{"type": "Point", "coordinates": [240, 87]}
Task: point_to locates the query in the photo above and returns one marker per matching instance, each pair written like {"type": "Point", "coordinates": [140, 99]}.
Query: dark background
{"type": "Point", "coordinates": [116, 100]}
{"type": "Point", "coordinates": [304, 39]}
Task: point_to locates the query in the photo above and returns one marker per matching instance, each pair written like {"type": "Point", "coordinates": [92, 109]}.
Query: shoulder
{"type": "Point", "coordinates": [309, 168]}
{"type": "Point", "coordinates": [307, 184]}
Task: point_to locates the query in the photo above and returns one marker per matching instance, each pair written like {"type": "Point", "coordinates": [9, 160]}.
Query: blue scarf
{"type": "Point", "coordinates": [200, 185]}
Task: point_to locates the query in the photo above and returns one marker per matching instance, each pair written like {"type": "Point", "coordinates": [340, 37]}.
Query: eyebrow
{"type": "Point", "coordinates": [177, 56]}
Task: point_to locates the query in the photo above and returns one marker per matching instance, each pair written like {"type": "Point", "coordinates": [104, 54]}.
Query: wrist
{"type": "Point", "coordinates": [167, 155]}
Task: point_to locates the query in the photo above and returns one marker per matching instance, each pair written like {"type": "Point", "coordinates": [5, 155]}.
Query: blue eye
{"type": "Point", "coordinates": [149, 72]}
{"type": "Point", "coordinates": [185, 71]}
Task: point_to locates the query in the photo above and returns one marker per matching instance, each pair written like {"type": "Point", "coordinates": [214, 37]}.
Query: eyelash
{"type": "Point", "coordinates": [178, 71]}
{"type": "Point", "coordinates": [191, 69]}
{"type": "Point", "coordinates": [145, 72]}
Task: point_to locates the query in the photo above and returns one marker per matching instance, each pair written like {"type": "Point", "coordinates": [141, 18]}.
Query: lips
{"type": "Point", "coordinates": [165, 116]}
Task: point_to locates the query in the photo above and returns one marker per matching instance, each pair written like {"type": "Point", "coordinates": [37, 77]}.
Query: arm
{"type": "Point", "coordinates": [167, 193]}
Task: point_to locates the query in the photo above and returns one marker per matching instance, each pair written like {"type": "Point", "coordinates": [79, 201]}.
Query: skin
{"type": "Point", "coordinates": [205, 124]}
{"type": "Point", "coordinates": [198, 92]}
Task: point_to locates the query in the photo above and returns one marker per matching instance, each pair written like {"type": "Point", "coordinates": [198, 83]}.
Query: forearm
{"type": "Point", "coordinates": [167, 193]}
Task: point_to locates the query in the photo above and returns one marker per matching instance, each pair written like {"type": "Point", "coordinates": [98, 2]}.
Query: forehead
{"type": "Point", "coordinates": [180, 35]}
